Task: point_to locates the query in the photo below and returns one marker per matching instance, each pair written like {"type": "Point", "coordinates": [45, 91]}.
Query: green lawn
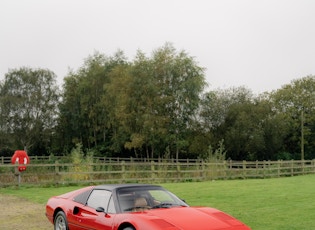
{"type": "Point", "coordinates": [263, 204]}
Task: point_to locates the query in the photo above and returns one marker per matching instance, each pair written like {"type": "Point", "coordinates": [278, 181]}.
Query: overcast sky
{"type": "Point", "coordinates": [259, 44]}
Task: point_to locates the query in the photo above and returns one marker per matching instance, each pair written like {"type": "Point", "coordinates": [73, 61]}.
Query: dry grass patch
{"type": "Point", "coordinates": [19, 213]}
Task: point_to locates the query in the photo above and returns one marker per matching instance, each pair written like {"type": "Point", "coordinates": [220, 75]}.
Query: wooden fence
{"type": "Point", "coordinates": [129, 170]}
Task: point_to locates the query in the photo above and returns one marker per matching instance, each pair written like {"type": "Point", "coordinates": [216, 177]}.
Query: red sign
{"type": "Point", "coordinates": [21, 158]}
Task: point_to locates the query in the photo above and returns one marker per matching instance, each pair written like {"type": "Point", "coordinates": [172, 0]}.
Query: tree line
{"type": "Point", "coordinates": [153, 106]}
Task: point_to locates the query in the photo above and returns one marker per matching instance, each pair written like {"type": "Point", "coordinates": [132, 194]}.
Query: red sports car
{"type": "Point", "coordinates": [133, 207]}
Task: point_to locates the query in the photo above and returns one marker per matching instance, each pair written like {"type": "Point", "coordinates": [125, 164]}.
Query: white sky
{"type": "Point", "coordinates": [259, 44]}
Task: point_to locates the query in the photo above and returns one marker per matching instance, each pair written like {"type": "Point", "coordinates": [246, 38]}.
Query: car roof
{"type": "Point", "coordinates": [112, 187]}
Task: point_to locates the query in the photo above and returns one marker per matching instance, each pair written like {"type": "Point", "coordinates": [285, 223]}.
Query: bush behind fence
{"type": "Point", "coordinates": [129, 170]}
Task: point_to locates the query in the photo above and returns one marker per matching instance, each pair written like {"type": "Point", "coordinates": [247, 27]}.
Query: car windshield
{"type": "Point", "coordinates": [141, 198]}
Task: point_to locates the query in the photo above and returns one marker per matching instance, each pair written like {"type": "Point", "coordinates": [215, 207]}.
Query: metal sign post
{"type": "Point", "coordinates": [20, 159]}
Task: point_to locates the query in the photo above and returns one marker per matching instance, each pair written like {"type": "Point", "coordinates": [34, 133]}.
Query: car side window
{"type": "Point", "coordinates": [99, 198]}
{"type": "Point", "coordinates": [111, 206]}
{"type": "Point", "coordinates": [82, 197]}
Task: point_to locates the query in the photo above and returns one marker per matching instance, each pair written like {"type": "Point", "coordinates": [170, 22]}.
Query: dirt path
{"type": "Point", "coordinates": [18, 213]}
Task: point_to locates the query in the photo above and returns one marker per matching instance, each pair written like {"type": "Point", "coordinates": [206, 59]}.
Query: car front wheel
{"type": "Point", "coordinates": [129, 228]}
{"type": "Point", "coordinates": [60, 221]}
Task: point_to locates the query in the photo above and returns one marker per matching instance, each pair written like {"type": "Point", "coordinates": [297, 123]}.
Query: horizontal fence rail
{"type": "Point", "coordinates": [48, 171]}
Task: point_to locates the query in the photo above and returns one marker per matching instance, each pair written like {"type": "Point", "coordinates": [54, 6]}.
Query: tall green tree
{"type": "Point", "coordinates": [180, 82]}
{"type": "Point", "coordinates": [84, 112]}
{"type": "Point", "coordinates": [145, 124]}
{"type": "Point", "coordinates": [141, 107]}
{"type": "Point", "coordinates": [116, 100]}
{"type": "Point", "coordinates": [154, 101]}
{"type": "Point", "coordinates": [86, 107]}
{"type": "Point", "coordinates": [254, 132]}
{"type": "Point", "coordinates": [29, 108]}
{"type": "Point", "coordinates": [249, 126]}
{"type": "Point", "coordinates": [69, 130]}
{"type": "Point", "coordinates": [214, 111]}
{"type": "Point", "coordinates": [296, 102]}
{"type": "Point", "coordinates": [216, 104]}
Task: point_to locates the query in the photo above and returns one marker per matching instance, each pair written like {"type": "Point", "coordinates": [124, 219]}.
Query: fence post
{"type": "Point", "coordinates": [244, 169]}
{"type": "Point", "coordinates": [224, 168]}
{"type": "Point", "coordinates": [56, 167]}
{"type": "Point", "coordinates": [292, 165]}
{"type": "Point", "coordinates": [230, 169]}
{"type": "Point", "coordinates": [279, 168]}
{"type": "Point", "coordinates": [56, 177]}
{"type": "Point", "coordinates": [123, 169]}
{"type": "Point", "coordinates": [178, 170]}
{"type": "Point", "coordinates": [257, 170]}
{"type": "Point", "coordinates": [203, 169]}
{"type": "Point", "coordinates": [152, 170]}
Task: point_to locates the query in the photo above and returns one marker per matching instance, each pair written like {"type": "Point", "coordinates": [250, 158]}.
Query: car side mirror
{"type": "Point", "coordinates": [100, 209]}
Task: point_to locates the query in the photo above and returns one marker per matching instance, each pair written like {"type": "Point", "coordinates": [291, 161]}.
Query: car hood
{"type": "Point", "coordinates": [194, 218]}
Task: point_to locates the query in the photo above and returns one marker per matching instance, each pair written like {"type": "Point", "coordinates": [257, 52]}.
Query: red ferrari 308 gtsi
{"type": "Point", "coordinates": [133, 207]}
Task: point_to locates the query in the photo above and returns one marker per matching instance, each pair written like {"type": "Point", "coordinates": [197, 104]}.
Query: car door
{"type": "Point", "coordinates": [98, 213]}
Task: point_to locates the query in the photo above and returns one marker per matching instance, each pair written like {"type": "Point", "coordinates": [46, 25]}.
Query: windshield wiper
{"type": "Point", "coordinates": [165, 205]}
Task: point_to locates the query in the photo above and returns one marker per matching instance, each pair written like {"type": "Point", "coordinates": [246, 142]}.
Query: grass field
{"type": "Point", "coordinates": [263, 204]}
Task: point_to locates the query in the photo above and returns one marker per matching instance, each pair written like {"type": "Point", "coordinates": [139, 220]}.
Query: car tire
{"type": "Point", "coordinates": [60, 221]}
{"type": "Point", "coordinates": [129, 228]}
